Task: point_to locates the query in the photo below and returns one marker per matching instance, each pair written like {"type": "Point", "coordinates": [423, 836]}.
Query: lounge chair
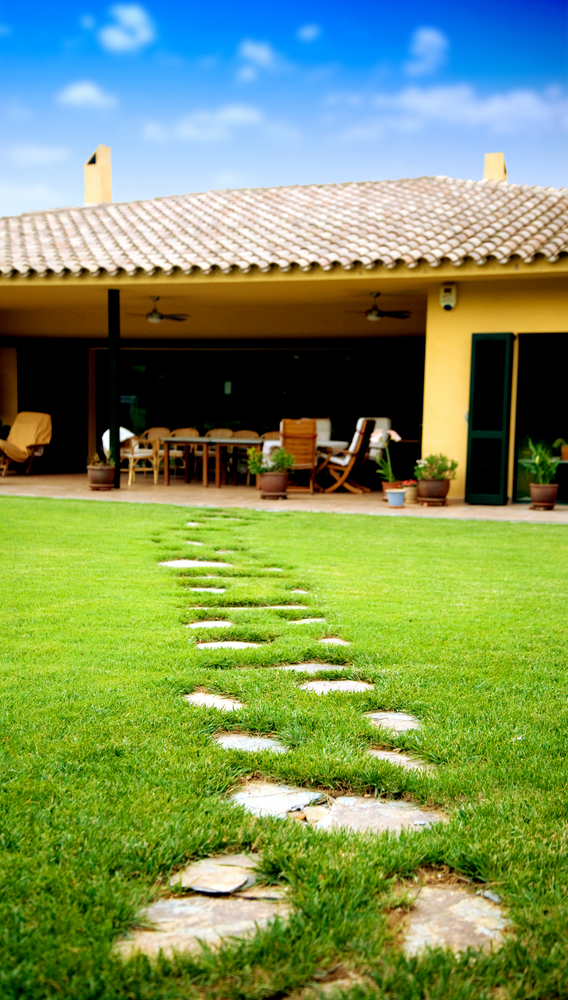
{"type": "Point", "coordinates": [28, 436]}
{"type": "Point", "coordinates": [343, 465]}
{"type": "Point", "coordinates": [299, 438]}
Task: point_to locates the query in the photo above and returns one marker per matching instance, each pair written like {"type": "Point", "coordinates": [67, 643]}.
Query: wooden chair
{"type": "Point", "coordinates": [28, 435]}
{"type": "Point", "coordinates": [299, 438]}
{"type": "Point", "coordinates": [238, 453]}
{"type": "Point", "coordinates": [342, 465]}
{"type": "Point", "coordinates": [179, 453]}
{"type": "Point", "coordinates": [155, 434]}
{"type": "Point", "coordinates": [142, 454]}
{"type": "Point", "coordinates": [222, 432]}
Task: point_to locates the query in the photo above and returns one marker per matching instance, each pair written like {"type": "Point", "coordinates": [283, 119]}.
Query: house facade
{"type": "Point", "coordinates": [272, 290]}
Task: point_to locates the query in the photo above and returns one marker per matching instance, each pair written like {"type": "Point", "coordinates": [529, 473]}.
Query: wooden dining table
{"type": "Point", "coordinates": [219, 443]}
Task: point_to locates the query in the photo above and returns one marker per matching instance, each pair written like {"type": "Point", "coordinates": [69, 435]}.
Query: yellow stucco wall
{"type": "Point", "coordinates": [506, 306]}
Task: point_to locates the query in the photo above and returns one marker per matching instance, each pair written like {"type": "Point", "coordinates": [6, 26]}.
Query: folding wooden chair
{"type": "Point", "coordinates": [28, 435]}
{"type": "Point", "coordinates": [299, 438]}
{"type": "Point", "coordinates": [342, 465]}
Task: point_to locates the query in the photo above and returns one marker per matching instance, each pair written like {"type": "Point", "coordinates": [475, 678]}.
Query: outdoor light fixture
{"type": "Point", "coordinates": [449, 296]}
{"type": "Point", "coordinates": [156, 317]}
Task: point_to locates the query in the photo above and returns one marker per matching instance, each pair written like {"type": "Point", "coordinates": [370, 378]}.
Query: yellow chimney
{"type": "Point", "coordinates": [495, 169]}
{"type": "Point", "coordinates": [98, 177]}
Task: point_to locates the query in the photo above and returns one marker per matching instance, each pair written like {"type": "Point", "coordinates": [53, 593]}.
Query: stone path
{"type": "Point", "coordinates": [222, 897]}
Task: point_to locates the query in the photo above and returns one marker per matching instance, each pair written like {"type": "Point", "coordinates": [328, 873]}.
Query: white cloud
{"type": "Point", "coordinates": [132, 31]}
{"type": "Point", "coordinates": [87, 22]}
{"type": "Point", "coordinates": [36, 156]}
{"type": "Point", "coordinates": [462, 105]}
{"type": "Point", "coordinates": [429, 48]}
{"type": "Point", "coordinates": [85, 94]}
{"type": "Point", "coordinates": [247, 74]}
{"type": "Point", "coordinates": [260, 53]}
{"type": "Point", "coordinates": [219, 125]}
{"type": "Point", "coordinates": [308, 32]}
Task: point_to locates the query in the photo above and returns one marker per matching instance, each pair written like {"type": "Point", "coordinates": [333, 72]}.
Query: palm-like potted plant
{"type": "Point", "coordinates": [541, 467]}
{"type": "Point", "coordinates": [272, 471]}
{"type": "Point", "coordinates": [434, 474]}
{"type": "Point", "coordinates": [100, 473]}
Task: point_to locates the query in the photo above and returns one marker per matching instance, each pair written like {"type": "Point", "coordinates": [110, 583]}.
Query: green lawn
{"type": "Point", "coordinates": [110, 780]}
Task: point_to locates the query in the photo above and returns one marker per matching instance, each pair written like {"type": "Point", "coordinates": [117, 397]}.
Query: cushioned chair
{"type": "Point", "coordinates": [141, 455]}
{"type": "Point", "coordinates": [299, 438]}
{"type": "Point", "coordinates": [28, 436]}
{"type": "Point", "coordinates": [343, 465]}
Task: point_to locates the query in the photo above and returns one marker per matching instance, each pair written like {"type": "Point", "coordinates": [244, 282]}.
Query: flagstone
{"type": "Point", "coordinates": [228, 644]}
{"type": "Point", "coordinates": [273, 569]}
{"type": "Point", "coordinates": [180, 923]}
{"type": "Point", "coordinates": [244, 741]}
{"type": "Point", "coordinates": [350, 812]}
{"type": "Point", "coordinates": [208, 590]}
{"type": "Point", "coordinates": [395, 722]}
{"type": "Point", "coordinates": [194, 563]}
{"type": "Point", "coordinates": [402, 759]}
{"type": "Point", "coordinates": [194, 543]}
{"type": "Point", "coordinates": [265, 607]}
{"type": "Point", "coordinates": [221, 874]}
{"type": "Point", "coordinates": [310, 668]}
{"type": "Point", "coordinates": [324, 687]}
{"type": "Point", "coordinates": [299, 591]}
{"type": "Point", "coordinates": [209, 700]}
{"type": "Point", "coordinates": [214, 623]}
{"type": "Point", "coordinates": [266, 798]}
{"type": "Point", "coordinates": [223, 552]}
{"type": "Point", "coordinates": [194, 524]}
{"type": "Point", "coordinates": [306, 621]}
{"type": "Point", "coordinates": [334, 640]}
{"type": "Point", "coordinates": [448, 916]}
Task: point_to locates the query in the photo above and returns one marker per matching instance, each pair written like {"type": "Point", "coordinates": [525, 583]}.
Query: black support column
{"type": "Point", "coordinates": [113, 387]}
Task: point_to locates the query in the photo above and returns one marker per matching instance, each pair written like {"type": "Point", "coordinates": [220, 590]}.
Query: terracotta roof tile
{"type": "Point", "coordinates": [432, 219]}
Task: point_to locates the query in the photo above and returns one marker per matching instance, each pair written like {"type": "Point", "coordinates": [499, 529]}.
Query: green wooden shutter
{"type": "Point", "coordinates": [489, 411]}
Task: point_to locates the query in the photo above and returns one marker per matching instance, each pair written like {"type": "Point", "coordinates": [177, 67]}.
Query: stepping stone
{"type": "Point", "coordinates": [208, 590]}
{"type": "Point", "coordinates": [334, 640]}
{"type": "Point", "coordinates": [193, 563]}
{"type": "Point", "coordinates": [180, 924]}
{"type": "Point", "coordinates": [222, 552]}
{"type": "Point", "coordinates": [210, 624]}
{"type": "Point", "coordinates": [194, 524]}
{"type": "Point", "coordinates": [265, 798]}
{"type": "Point", "coordinates": [195, 543]}
{"type": "Point", "coordinates": [448, 916]}
{"type": "Point", "coordinates": [395, 722]}
{"type": "Point", "coordinates": [358, 813]}
{"type": "Point", "coordinates": [229, 644]}
{"type": "Point", "coordinates": [306, 621]}
{"type": "Point", "coordinates": [208, 700]}
{"type": "Point", "coordinates": [243, 741]}
{"type": "Point", "coordinates": [299, 591]}
{"type": "Point", "coordinates": [324, 687]}
{"type": "Point", "coordinates": [218, 875]}
{"type": "Point", "coordinates": [350, 812]}
{"type": "Point", "coordinates": [402, 759]}
{"type": "Point", "coordinates": [310, 668]}
{"type": "Point", "coordinates": [273, 569]}
{"type": "Point", "coordinates": [268, 607]}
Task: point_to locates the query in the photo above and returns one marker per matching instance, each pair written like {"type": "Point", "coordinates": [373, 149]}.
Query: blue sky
{"type": "Point", "coordinates": [199, 96]}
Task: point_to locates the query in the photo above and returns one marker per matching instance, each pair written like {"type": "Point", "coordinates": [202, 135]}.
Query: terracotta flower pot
{"type": "Point", "coordinates": [564, 452]}
{"type": "Point", "coordinates": [543, 496]}
{"type": "Point", "coordinates": [433, 492]}
{"type": "Point", "coordinates": [411, 494]}
{"type": "Point", "coordinates": [101, 477]}
{"type": "Point", "coordinates": [273, 485]}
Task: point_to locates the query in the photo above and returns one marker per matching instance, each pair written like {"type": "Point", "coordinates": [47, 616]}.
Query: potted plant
{"type": "Point", "coordinates": [100, 473]}
{"type": "Point", "coordinates": [563, 445]}
{"type": "Point", "coordinates": [411, 490]}
{"type": "Point", "coordinates": [434, 473]}
{"type": "Point", "coordinates": [382, 438]}
{"type": "Point", "coordinates": [272, 471]}
{"type": "Point", "coordinates": [541, 467]}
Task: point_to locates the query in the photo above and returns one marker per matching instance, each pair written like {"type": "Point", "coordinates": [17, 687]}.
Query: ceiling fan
{"type": "Point", "coordinates": [374, 314]}
{"type": "Point", "coordinates": [156, 317]}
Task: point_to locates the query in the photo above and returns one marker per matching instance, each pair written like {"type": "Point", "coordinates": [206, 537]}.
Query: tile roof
{"type": "Point", "coordinates": [427, 219]}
